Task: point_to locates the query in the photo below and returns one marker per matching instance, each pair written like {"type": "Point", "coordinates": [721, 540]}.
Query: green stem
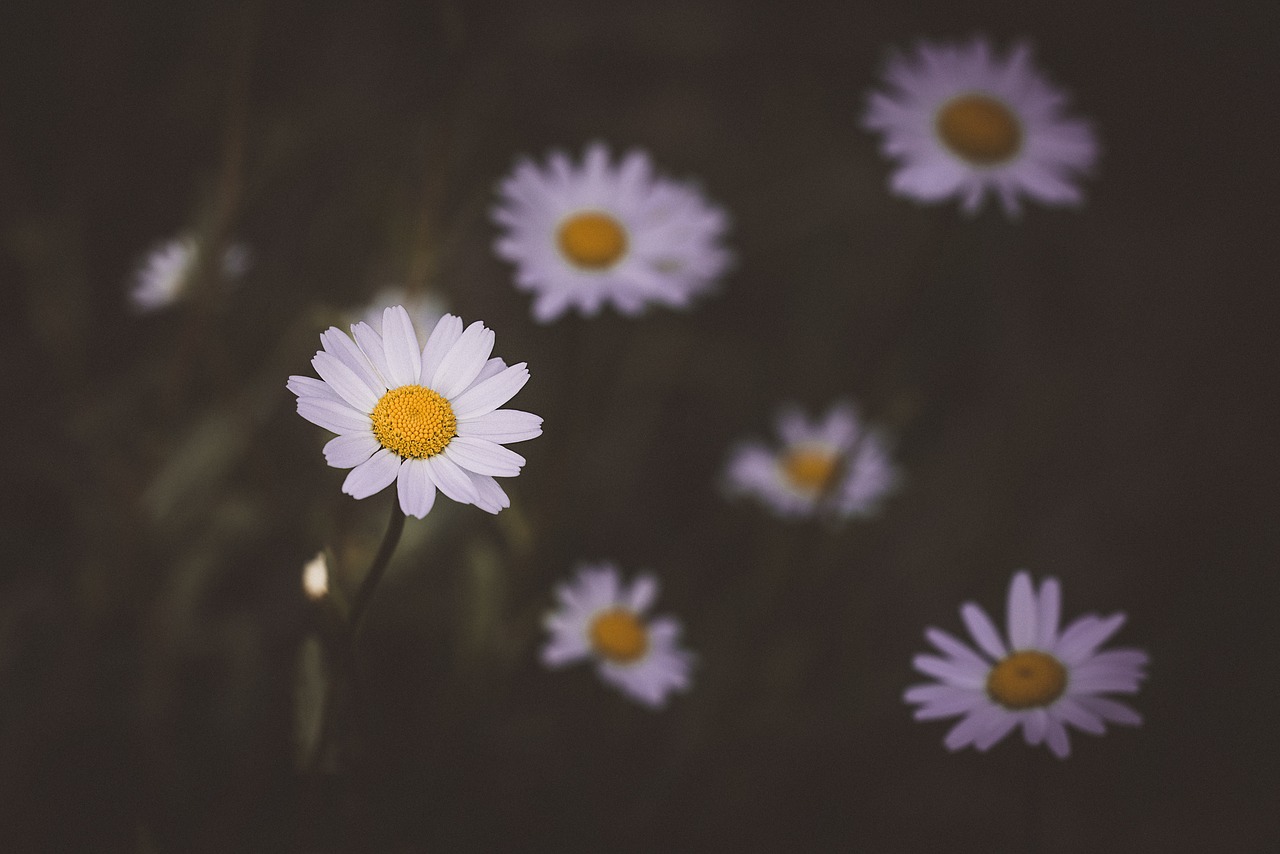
{"type": "Point", "coordinates": [394, 528]}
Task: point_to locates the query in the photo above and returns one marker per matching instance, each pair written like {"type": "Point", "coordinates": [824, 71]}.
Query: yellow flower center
{"type": "Point", "coordinates": [980, 129]}
{"type": "Point", "coordinates": [618, 636]}
{"type": "Point", "coordinates": [414, 421]}
{"type": "Point", "coordinates": [593, 240]}
{"type": "Point", "coordinates": [1027, 679]}
{"type": "Point", "coordinates": [809, 469]}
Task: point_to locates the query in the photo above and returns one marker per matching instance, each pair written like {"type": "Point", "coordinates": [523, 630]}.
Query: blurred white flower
{"type": "Point", "coordinates": [315, 577]}
{"type": "Point", "coordinates": [836, 466]}
{"type": "Point", "coordinates": [962, 122]}
{"type": "Point", "coordinates": [1043, 679]}
{"type": "Point", "coordinates": [600, 618]}
{"type": "Point", "coordinates": [424, 419]}
{"type": "Point", "coordinates": [425, 309]}
{"type": "Point", "coordinates": [584, 237]}
{"type": "Point", "coordinates": [165, 274]}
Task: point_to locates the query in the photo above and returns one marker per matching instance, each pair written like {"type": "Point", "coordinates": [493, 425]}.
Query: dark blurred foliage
{"type": "Point", "coordinates": [1081, 393]}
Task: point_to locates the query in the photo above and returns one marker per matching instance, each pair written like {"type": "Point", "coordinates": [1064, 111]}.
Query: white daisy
{"type": "Point", "coordinates": [165, 274]}
{"type": "Point", "coordinates": [600, 618]}
{"type": "Point", "coordinates": [834, 466]}
{"type": "Point", "coordinates": [425, 419]}
{"type": "Point", "coordinates": [425, 308]}
{"type": "Point", "coordinates": [584, 237]}
{"type": "Point", "coordinates": [961, 121]}
{"type": "Point", "coordinates": [1042, 679]}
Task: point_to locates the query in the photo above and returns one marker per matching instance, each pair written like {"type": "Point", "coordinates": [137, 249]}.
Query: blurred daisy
{"type": "Point", "coordinates": [424, 419]}
{"type": "Point", "coordinates": [425, 308]}
{"type": "Point", "coordinates": [961, 121]}
{"type": "Point", "coordinates": [166, 273]}
{"type": "Point", "coordinates": [600, 618]}
{"type": "Point", "coordinates": [584, 237]}
{"type": "Point", "coordinates": [836, 466]}
{"type": "Point", "coordinates": [1042, 679]}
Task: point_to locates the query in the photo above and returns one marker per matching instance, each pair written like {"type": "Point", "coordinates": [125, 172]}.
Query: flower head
{"type": "Point", "coordinates": [962, 122]}
{"type": "Point", "coordinates": [836, 466]}
{"type": "Point", "coordinates": [166, 273]}
{"type": "Point", "coordinates": [424, 419]}
{"type": "Point", "coordinates": [1042, 679]}
{"type": "Point", "coordinates": [581, 237]}
{"type": "Point", "coordinates": [600, 618]}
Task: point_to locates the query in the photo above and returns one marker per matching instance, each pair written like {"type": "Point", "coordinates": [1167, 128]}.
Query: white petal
{"type": "Point", "coordinates": [1021, 616]}
{"type": "Point", "coordinates": [400, 343]}
{"type": "Point", "coordinates": [972, 727]}
{"type": "Point", "coordinates": [503, 426]}
{"type": "Point", "coordinates": [338, 417]}
{"type": "Point", "coordinates": [373, 475]}
{"type": "Point", "coordinates": [447, 332]}
{"type": "Point", "coordinates": [483, 457]}
{"type": "Point", "coordinates": [1085, 635]}
{"type": "Point", "coordinates": [1111, 710]}
{"type": "Point", "coordinates": [490, 394]}
{"type": "Point", "coordinates": [489, 496]}
{"type": "Point", "coordinates": [451, 480]}
{"type": "Point", "coordinates": [374, 350]}
{"type": "Point", "coordinates": [416, 490]}
{"type": "Point", "coordinates": [643, 591]}
{"type": "Point", "coordinates": [1034, 724]}
{"type": "Point", "coordinates": [464, 360]}
{"type": "Point", "coordinates": [350, 450]}
{"type": "Point", "coordinates": [312, 387]}
{"type": "Point", "coordinates": [983, 631]}
{"type": "Point", "coordinates": [1056, 735]}
{"type": "Point", "coordinates": [338, 344]}
{"type": "Point", "coordinates": [491, 368]}
{"type": "Point", "coordinates": [1048, 613]}
{"type": "Point", "coordinates": [344, 381]}
{"type": "Point", "coordinates": [951, 672]}
{"type": "Point", "coordinates": [954, 647]}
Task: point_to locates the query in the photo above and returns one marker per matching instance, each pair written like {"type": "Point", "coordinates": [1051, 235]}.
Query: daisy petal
{"type": "Point", "coordinates": [416, 490]}
{"type": "Point", "coordinates": [451, 480]}
{"type": "Point", "coordinates": [982, 630]}
{"type": "Point", "coordinates": [1021, 612]}
{"type": "Point", "coordinates": [373, 475]}
{"type": "Point", "coordinates": [490, 394]}
{"type": "Point", "coordinates": [350, 450]}
{"type": "Point", "coordinates": [502, 426]}
{"type": "Point", "coordinates": [464, 360]}
{"type": "Point", "coordinates": [400, 343]}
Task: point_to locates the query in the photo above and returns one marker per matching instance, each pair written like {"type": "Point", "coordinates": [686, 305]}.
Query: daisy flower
{"type": "Point", "coordinates": [165, 274]}
{"type": "Point", "coordinates": [581, 237]}
{"type": "Point", "coordinates": [424, 419]}
{"type": "Point", "coordinates": [836, 466]}
{"type": "Point", "coordinates": [1042, 679]}
{"type": "Point", "coordinates": [600, 618]}
{"type": "Point", "coordinates": [961, 121]}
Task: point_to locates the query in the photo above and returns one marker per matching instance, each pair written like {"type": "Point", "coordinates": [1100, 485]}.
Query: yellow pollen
{"type": "Point", "coordinates": [593, 240]}
{"type": "Point", "coordinates": [809, 469]}
{"type": "Point", "coordinates": [1027, 679]}
{"type": "Point", "coordinates": [618, 636]}
{"type": "Point", "coordinates": [980, 129]}
{"type": "Point", "coordinates": [414, 421]}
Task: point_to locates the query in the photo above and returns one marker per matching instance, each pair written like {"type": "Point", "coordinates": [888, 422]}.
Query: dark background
{"type": "Point", "coordinates": [1081, 393]}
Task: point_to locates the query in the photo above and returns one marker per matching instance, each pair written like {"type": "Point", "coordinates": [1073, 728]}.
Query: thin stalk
{"type": "Point", "coordinates": [394, 528]}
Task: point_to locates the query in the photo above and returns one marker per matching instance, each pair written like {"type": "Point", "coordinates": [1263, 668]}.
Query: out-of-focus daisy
{"type": "Point", "coordinates": [836, 466]}
{"type": "Point", "coordinates": [425, 419]}
{"type": "Point", "coordinates": [165, 274]}
{"type": "Point", "coordinates": [425, 308]}
{"type": "Point", "coordinates": [961, 122]}
{"type": "Point", "coordinates": [600, 618]}
{"type": "Point", "coordinates": [1041, 678]}
{"type": "Point", "coordinates": [581, 237]}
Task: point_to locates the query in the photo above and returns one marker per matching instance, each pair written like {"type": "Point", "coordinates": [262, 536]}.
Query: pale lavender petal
{"type": "Point", "coordinates": [337, 417]}
{"type": "Point", "coordinates": [344, 381]}
{"type": "Point", "coordinates": [373, 475]}
{"type": "Point", "coordinates": [953, 647]}
{"type": "Point", "coordinates": [451, 480]}
{"type": "Point", "coordinates": [503, 426]}
{"type": "Point", "coordinates": [1021, 616]}
{"type": "Point", "coordinates": [417, 492]}
{"type": "Point", "coordinates": [1034, 725]}
{"type": "Point", "coordinates": [1059, 744]}
{"type": "Point", "coordinates": [350, 450]}
{"type": "Point", "coordinates": [983, 631]}
{"type": "Point", "coordinates": [977, 723]}
{"type": "Point", "coordinates": [643, 591]}
{"type": "Point", "coordinates": [483, 457]}
{"type": "Point", "coordinates": [447, 332]}
{"type": "Point", "coordinates": [487, 396]}
{"type": "Point", "coordinates": [1048, 613]}
{"type": "Point", "coordinates": [463, 362]}
{"type": "Point", "coordinates": [1110, 710]}
{"type": "Point", "coordinates": [951, 672]}
{"type": "Point", "coordinates": [1085, 635]}
{"type": "Point", "coordinates": [400, 343]}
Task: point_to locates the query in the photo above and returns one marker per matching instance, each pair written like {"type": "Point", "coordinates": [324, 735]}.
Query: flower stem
{"type": "Point", "coordinates": [389, 541]}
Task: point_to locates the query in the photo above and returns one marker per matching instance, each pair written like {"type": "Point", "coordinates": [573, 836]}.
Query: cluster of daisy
{"type": "Point", "coordinates": [417, 399]}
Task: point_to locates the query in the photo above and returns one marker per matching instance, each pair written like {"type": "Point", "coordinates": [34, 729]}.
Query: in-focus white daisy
{"type": "Point", "coordinates": [1042, 679]}
{"type": "Point", "coordinates": [165, 274]}
{"type": "Point", "coordinates": [961, 122]}
{"type": "Point", "coordinates": [834, 466]}
{"type": "Point", "coordinates": [425, 419]}
{"type": "Point", "coordinates": [581, 237]}
{"type": "Point", "coordinates": [425, 308]}
{"type": "Point", "coordinates": [600, 618]}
